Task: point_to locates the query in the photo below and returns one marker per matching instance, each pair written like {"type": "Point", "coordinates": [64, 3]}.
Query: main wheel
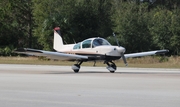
{"type": "Point", "coordinates": [111, 71]}
{"type": "Point", "coordinates": [76, 71]}
{"type": "Point", "coordinates": [76, 68]}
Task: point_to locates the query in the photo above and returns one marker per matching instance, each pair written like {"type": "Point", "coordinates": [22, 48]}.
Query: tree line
{"type": "Point", "coordinates": [140, 25]}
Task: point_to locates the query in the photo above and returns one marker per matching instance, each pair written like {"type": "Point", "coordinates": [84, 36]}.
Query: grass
{"type": "Point", "coordinates": [144, 62]}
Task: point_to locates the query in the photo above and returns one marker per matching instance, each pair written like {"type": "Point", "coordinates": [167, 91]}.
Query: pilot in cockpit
{"type": "Point", "coordinates": [100, 42]}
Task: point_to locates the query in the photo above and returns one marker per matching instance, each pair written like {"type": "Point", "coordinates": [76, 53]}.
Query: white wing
{"type": "Point", "coordinates": [145, 53]}
{"type": "Point", "coordinates": [51, 55]}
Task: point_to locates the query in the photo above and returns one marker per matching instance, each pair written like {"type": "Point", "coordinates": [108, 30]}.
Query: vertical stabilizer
{"type": "Point", "coordinates": [58, 42]}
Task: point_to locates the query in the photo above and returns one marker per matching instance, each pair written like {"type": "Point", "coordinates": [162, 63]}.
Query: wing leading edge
{"type": "Point", "coordinates": [49, 54]}
{"type": "Point", "coordinates": [145, 53]}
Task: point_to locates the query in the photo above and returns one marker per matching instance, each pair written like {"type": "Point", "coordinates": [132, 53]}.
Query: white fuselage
{"type": "Point", "coordinates": [92, 47]}
{"type": "Point", "coordinates": [99, 50]}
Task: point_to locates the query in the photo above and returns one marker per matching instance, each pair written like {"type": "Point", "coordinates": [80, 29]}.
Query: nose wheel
{"type": "Point", "coordinates": [77, 66]}
{"type": "Point", "coordinates": [111, 66]}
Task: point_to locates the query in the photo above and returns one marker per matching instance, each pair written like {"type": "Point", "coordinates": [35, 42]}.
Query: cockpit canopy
{"type": "Point", "coordinates": [91, 43]}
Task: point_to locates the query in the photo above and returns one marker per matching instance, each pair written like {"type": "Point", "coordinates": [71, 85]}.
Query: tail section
{"type": "Point", "coordinates": [58, 42]}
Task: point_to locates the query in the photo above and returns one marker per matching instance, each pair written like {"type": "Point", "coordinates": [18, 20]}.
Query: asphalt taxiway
{"type": "Point", "coordinates": [59, 86]}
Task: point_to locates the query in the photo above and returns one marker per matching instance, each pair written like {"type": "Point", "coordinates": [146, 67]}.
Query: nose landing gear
{"type": "Point", "coordinates": [111, 66]}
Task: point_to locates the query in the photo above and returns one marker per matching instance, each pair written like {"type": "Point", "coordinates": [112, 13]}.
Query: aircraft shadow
{"type": "Point", "coordinates": [106, 72]}
{"type": "Point", "coordinates": [80, 72]}
{"type": "Point", "coordinates": [147, 73]}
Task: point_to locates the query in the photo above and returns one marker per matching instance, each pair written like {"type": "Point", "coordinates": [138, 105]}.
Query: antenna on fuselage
{"type": "Point", "coordinates": [74, 41]}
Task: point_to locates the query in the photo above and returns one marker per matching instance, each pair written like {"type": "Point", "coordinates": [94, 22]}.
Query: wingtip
{"type": "Point", "coordinates": [20, 50]}
{"type": "Point", "coordinates": [162, 51]}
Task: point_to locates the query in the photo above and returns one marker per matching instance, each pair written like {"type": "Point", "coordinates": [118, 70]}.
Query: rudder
{"type": "Point", "coordinates": [58, 42]}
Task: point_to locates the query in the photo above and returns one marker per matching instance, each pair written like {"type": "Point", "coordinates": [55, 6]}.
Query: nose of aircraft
{"type": "Point", "coordinates": [121, 49]}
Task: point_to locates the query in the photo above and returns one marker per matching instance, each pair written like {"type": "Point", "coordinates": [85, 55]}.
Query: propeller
{"type": "Point", "coordinates": [124, 59]}
{"type": "Point", "coordinates": [122, 53]}
{"type": "Point", "coordinates": [116, 39]}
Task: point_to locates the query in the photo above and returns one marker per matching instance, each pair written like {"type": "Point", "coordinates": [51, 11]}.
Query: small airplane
{"type": "Point", "coordinates": [92, 49]}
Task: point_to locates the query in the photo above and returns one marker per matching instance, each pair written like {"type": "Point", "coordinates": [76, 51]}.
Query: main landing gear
{"type": "Point", "coordinates": [77, 66]}
{"type": "Point", "coordinates": [111, 66]}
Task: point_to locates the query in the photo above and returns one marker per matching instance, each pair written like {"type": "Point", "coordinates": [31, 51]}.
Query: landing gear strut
{"type": "Point", "coordinates": [77, 66]}
{"type": "Point", "coordinates": [111, 66]}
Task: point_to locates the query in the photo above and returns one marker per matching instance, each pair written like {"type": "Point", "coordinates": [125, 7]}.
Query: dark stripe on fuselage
{"type": "Point", "coordinates": [92, 57]}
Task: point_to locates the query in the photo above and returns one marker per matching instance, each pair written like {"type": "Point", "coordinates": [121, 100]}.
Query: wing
{"type": "Point", "coordinates": [145, 53]}
{"type": "Point", "coordinates": [51, 55]}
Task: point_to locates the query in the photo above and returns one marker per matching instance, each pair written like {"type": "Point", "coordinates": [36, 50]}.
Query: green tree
{"type": "Point", "coordinates": [16, 23]}
{"type": "Point", "coordinates": [49, 14]}
{"type": "Point", "coordinates": [92, 18]}
{"type": "Point", "coordinates": [132, 29]}
{"type": "Point", "coordinates": [160, 28]}
{"type": "Point", "coordinates": [165, 28]}
{"type": "Point", "coordinates": [78, 20]}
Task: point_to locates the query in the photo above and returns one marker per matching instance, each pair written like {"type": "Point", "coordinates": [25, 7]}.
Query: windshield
{"type": "Point", "coordinates": [100, 42]}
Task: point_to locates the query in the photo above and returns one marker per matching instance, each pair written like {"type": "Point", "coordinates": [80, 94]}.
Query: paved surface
{"type": "Point", "coordinates": [59, 86]}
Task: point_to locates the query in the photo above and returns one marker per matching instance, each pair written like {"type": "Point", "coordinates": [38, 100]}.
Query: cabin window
{"type": "Point", "coordinates": [100, 42]}
{"type": "Point", "coordinates": [77, 46]}
{"type": "Point", "coordinates": [86, 44]}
